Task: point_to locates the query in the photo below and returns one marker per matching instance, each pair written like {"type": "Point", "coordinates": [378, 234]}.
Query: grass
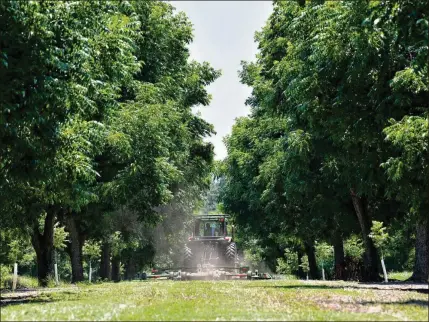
{"type": "Point", "coordinates": [22, 282]}
{"type": "Point", "coordinates": [27, 282]}
{"type": "Point", "coordinates": [222, 300]}
{"type": "Point", "coordinates": [399, 276]}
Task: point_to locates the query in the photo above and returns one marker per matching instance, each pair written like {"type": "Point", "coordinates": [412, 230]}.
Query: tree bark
{"type": "Point", "coordinates": [44, 247]}
{"type": "Point", "coordinates": [130, 269]}
{"type": "Point", "coordinates": [116, 264]}
{"type": "Point", "coordinates": [340, 264]}
{"type": "Point", "coordinates": [371, 271]}
{"type": "Point", "coordinates": [105, 271]}
{"type": "Point", "coordinates": [311, 254]}
{"type": "Point", "coordinates": [421, 265]}
{"type": "Point", "coordinates": [75, 249]}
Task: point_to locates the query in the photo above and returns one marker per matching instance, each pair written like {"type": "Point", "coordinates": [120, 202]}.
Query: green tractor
{"type": "Point", "coordinates": [209, 254]}
{"type": "Point", "coordinates": [211, 244]}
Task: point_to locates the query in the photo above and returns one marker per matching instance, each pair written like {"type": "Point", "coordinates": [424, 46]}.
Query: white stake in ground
{"type": "Point", "coordinates": [15, 276]}
{"type": "Point", "coordinates": [90, 271]}
{"type": "Point", "coordinates": [56, 269]}
{"type": "Point", "coordinates": [380, 238]}
{"type": "Point", "coordinates": [56, 274]}
{"type": "Point", "coordinates": [384, 269]}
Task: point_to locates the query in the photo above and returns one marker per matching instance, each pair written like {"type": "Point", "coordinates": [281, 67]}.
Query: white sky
{"type": "Point", "coordinates": [224, 36]}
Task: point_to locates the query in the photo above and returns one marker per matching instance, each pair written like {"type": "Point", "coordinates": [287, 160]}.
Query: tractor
{"type": "Point", "coordinates": [211, 244]}
{"type": "Point", "coordinates": [210, 253]}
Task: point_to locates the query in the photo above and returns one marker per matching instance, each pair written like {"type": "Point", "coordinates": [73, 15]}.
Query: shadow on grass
{"type": "Point", "coordinates": [36, 298]}
{"type": "Point", "coordinates": [21, 290]}
{"type": "Point", "coordinates": [24, 300]}
{"type": "Point", "coordinates": [409, 302]}
{"type": "Point", "coordinates": [362, 286]}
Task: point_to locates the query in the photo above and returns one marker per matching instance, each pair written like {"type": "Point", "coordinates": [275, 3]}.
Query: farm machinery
{"type": "Point", "coordinates": [210, 254]}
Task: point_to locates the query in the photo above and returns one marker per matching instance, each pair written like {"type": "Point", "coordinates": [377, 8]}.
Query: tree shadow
{"type": "Point", "coordinates": [20, 290]}
{"type": "Point", "coordinates": [23, 300]}
{"type": "Point", "coordinates": [421, 288]}
{"type": "Point", "coordinates": [32, 298]}
{"type": "Point", "coordinates": [366, 286]}
{"type": "Point", "coordinates": [408, 302]}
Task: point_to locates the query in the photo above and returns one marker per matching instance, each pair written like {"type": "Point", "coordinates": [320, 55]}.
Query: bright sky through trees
{"type": "Point", "coordinates": [223, 36]}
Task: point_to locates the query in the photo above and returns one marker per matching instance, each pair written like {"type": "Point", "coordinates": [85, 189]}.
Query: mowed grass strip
{"type": "Point", "coordinates": [221, 300]}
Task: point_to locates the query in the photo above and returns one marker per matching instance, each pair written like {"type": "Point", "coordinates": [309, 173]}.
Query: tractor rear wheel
{"type": "Point", "coordinates": [188, 257]}
{"type": "Point", "coordinates": [231, 254]}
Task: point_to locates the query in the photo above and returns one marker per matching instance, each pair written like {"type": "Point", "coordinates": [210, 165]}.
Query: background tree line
{"type": "Point", "coordinates": [97, 133]}
{"type": "Point", "coordinates": [337, 138]}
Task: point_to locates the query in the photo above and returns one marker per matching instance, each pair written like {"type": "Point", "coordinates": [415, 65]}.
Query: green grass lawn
{"type": "Point", "coordinates": [223, 300]}
{"type": "Point", "coordinates": [399, 276]}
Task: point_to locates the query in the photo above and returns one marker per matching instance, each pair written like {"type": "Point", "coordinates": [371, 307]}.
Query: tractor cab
{"type": "Point", "coordinates": [211, 242]}
{"type": "Point", "coordinates": [211, 227]}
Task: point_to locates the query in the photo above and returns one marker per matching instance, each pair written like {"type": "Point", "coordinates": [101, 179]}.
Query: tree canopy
{"type": "Point", "coordinates": [338, 125]}
{"type": "Point", "coordinates": [97, 119]}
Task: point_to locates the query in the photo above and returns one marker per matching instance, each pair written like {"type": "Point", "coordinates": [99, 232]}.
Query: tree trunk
{"type": "Point", "coordinates": [421, 269]}
{"type": "Point", "coordinates": [311, 254]}
{"type": "Point", "coordinates": [75, 249]}
{"type": "Point", "coordinates": [116, 264]}
{"type": "Point", "coordinates": [130, 269]}
{"type": "Point", "coordinates": [44, 248]}
{"type": "Point", "coordinates": [340, 264]}
{"type": "Point", "coordinates": [371, 271]}
{"type": "Point", "coordinates": [105, 262]}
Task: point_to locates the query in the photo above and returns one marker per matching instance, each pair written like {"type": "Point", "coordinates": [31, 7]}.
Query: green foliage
{"type": "Point", "coordinates": [97, 123]}
{"type": "Point", "coordinates": [399, 251]}
{"type": "Point", "coordinates": [353, 247]}
{"type": "Point", "coordinates": [410, 137]}
{"type": "Point", "coordinates": [324, 252]}
{"type": "Point", "coordinates": [162, 260]}
{"type": "Point", "coordinates": [68, 74]}
{"type": "Point", "coordinates": [338, 110]}
{"type": "Point", "coordinates": [23, 282]}
{"type": "Point", "coordinates": [379, 235]}
{"type": "Point", "coordinates": [211, 199]}
{"type": "Point", "coordinates": [108, 129]}
{"type": "Point", "coordinates": [5, 270]}
{"type": "Point", "coordinates": [304, 264]}
{"type": "Point", "coordinates": [60, 237]}
{"type": "Point", "coordinates": [17, 248]}
{"type": "Point", "coordinates": [91, 250]}
{"type": "Point", "coordinates": [64, 267]}
{"type": "Point", "coordinates": [289, 264]}
{"type": "Point", "coordinates": [282, 267]}
{"type": "Point", "coordinates": [253, 253]}
{"type": "Point", "coordinates": [117, 243]}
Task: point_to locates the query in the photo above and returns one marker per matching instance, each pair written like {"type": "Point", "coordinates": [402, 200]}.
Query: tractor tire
{"type": "Point", "coordinates": [188, 257]}
{"type": "Point", "coordinates": [231, 254]}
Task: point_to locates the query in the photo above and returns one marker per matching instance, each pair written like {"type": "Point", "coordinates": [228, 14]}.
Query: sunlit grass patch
{"type": "Point", "coordinates": [222, 300]}
{"type": "Point", "coordinates": [399, 276]}
{"type": "Point", "coordinates": [23, 282]}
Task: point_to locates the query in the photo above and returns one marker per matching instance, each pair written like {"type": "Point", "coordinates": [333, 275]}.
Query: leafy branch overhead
{"type": "Point", "coordinates": [337, 136]}
{"type": "Point", "coordinates": [97, 124]}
